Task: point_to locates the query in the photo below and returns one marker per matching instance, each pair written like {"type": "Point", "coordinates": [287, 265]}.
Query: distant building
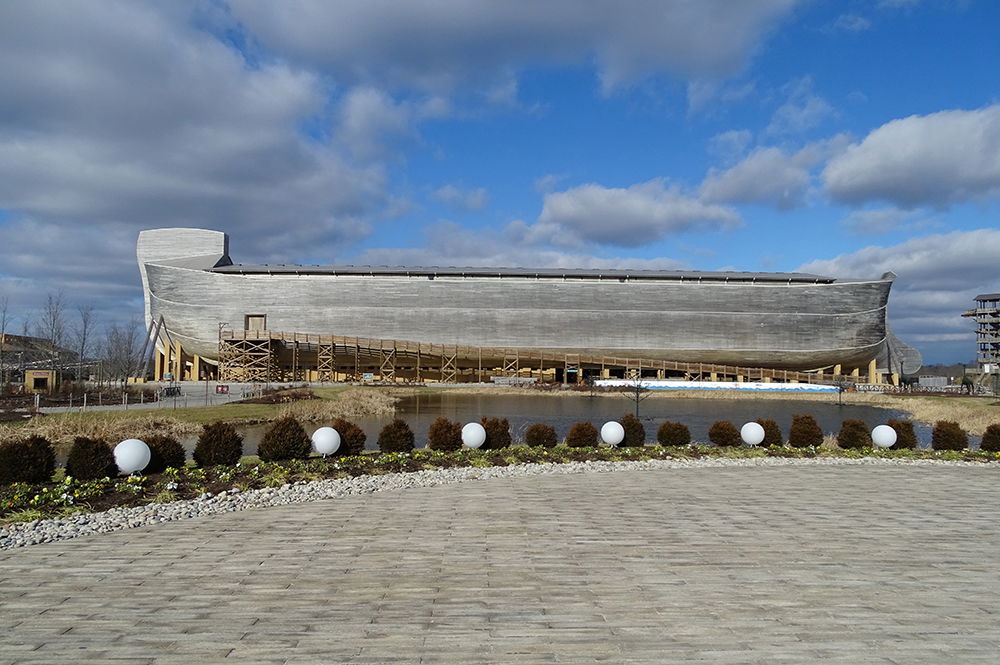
{"type": "Point", "coordinates": [987, 316]}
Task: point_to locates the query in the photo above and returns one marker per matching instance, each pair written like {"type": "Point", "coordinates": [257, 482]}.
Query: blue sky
{"type": "Point", "coordinates": [845, 138]}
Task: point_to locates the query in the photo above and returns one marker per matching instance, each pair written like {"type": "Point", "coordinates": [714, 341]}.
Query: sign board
{"type": "Point", "coordinates": [513, 380]}
{"type": "Point", "coordinates": [368, 376]}
{"type": "Point", "coordinates": [221, 389]}
{"type": "Point", "coordinates": [869, 387]}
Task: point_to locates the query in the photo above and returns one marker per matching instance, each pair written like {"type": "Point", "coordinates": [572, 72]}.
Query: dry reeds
{"type": "Point", "coordinates": [348, 404]}
{"type": "Point", "coordinates": [62, 431]}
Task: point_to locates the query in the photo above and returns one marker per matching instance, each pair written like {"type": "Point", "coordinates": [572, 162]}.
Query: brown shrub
{"type": "Point", "coordinates": [352, 437]}
{"type": "Point", "coordinates": [673, 434]}
{"type": "Point", "coordinates": [635, 433]}
{"type": "Point", "coordinates": [164, 451]}
{"type": "Point", "coordinates": [285, 439]}
{"type": "Point", "coordinates": [854, 434]}
{"type": "Point", "coordinates": [497, 433]}
{"type": "Point", "coordinates": [218, 444]}
{"type": "Point", "coordinates": [724, 433]}
{"type": "Point", "coordinates": [772, 433]}
{"type": "Point", "coordinates": [906, 438]}
{"type": "Point", "coordinates": [582, 435]}
{"type": "Point", "coordinates": [948, 435]}
{"type": "Point", "coordinates": [396, 437]}
{"type": "Point", "coordinates": [90, 459]}
{"type": "Point", "coordinates": [443, 434]}
{"type": "Point", "coordinates": [541, 435]}
{"type": "Point", "coordinates": [991, 439]}
{"type": "Point", "coordinates": [804, 432]}
{"type": "Point", "coordinates": [30, 461]}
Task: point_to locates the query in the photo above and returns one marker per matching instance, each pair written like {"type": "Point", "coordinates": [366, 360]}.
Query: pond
{"type": "Point", "coordinates": [562, 411]}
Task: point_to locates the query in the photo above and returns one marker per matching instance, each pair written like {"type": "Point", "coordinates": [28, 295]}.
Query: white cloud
{"type": "Point", "coordinates": [769, 176]}
{"type": "Point", "coordinates": [702, 92]}
{"type": "Point", "coordinates": [622, 217]}
{"type": "Point", "coordinates": [436, 44]}
{"type": "Point", "coordinates": [852, 23]}
{"type": "Point", "coordinates": [461, 199]}
{"type": "Point", "coordinates": [937, 160]}
{"type": "Point", "coordinates": [876, 221]}
{"type": "Point", "coordinates": [549, 182]}
{"type": "Point", "coordinates": [131, 116]}
{"type": "Point", "coordinates": [939, 276]}
{"type": "Point", "coordinates": [448, 244]}
{"type": "Point", "coordinates": [369, 119]}
{"type": "Point", "coordinates": [802, 110]}
{"type": "Point", "coordinates": [730, 146]}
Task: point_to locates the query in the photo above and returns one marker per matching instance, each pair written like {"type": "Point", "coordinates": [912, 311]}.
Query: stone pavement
{"type": "Point", "coordinates": [741, 565]}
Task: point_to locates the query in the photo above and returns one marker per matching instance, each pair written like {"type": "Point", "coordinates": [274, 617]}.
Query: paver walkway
{"type": "Point", "coordinates": [744, 565]}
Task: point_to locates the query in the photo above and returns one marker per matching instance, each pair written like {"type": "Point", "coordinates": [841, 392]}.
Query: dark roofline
{"type": "Point", "coordinates": [538, 273]}
{"type": "Point", "coordinates": [988, 296]}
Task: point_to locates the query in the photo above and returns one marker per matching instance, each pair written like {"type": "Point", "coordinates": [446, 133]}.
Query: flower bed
{"type": "Point", "coordinates": [67, 495]}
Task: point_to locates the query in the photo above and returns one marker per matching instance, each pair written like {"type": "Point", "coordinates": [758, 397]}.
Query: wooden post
{"type": "Point", "coordinates": [178, 364]}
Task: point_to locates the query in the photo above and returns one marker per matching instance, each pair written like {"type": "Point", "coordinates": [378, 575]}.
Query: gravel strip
{"type": "Point", "coordinates": [46, 531]}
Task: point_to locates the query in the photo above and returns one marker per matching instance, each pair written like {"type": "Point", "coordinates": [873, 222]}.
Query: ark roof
{"type": "Point", "coordinates": [550, 273]}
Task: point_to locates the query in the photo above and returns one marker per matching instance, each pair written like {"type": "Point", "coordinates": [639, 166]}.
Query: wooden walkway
{"type": "Point", "coordinates": [268, 355]}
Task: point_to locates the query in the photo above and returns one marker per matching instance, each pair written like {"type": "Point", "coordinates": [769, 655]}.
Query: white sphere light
{"type": "Point", "coordinates": [752, 434]}
{"type": "Point", "coordinates": [883, 436]}
{"type": "Point", "coordinates": [326, 441]}
{"type": "Point", "coordinates": [473, 435]}
{"type": "Point", "coordinates": [132, 455]}
{"type": "Point", "coordinates": [612, 433]}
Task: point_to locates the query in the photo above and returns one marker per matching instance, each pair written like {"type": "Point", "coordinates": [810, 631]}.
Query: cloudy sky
{"type": "Point", "coordinates": [840, 137]}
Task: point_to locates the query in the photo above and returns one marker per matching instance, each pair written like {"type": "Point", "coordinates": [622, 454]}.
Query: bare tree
{"type": "Point", "coordinates": [25, 328]}
{"type": "Point", "coordinates": [4, 314]}
{"type": "Point", "coordinates": [635, 389]}
{"type": "Point", "coordinates": [120, 350]}
{"type": "Point", "coordinates": [52, 324]}
{"type": "Point", "coordinates": [82, 333]}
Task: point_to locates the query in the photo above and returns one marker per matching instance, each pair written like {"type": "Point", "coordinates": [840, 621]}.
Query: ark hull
{"type": "Point", "coordinates": [790, 321]}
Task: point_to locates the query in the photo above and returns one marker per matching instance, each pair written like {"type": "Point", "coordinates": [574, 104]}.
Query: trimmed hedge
{"type": "Point", "coordinates": [218, 444]}
{"type": "Point", "coordinates": [854, 434]}
{"type": "Point", "coordinates": [164, 452]}
{"type": "Point", "coordinates": [906, 438]}
{"type": "Point", "coordinates": [285, 439]}
{"type": "Point", "coordinates": [396, 437]}
{"type": "Point", "coordinates": [541, 435]}
{"type": "Point", "coordinates": [582, 435]}
{"type": "Point", "coordinates": [673, 434]}
{"type": "Point", "coordinates": [991, 439]}
{"type": "Point", "coordinates": [635, 433]}
{"type": "Point", "coordinates": [724, 433]}
{"type": "Point", "coordinates": [804, 432]}
{"type": "Point", "coordinates": [772, 433]}
{"type": "Point", "coordinates": [90, 459]}
{"type": "Point", "coordinates": [948, 435]}
{"type": "Point", "coordinates": [443, 434]}
{"type": "Point", "coordinates": [497, 433]}
{"type": "Point", "coordinates": [30, 461]}
{"type": "Point", "coordinates": [352, 437]}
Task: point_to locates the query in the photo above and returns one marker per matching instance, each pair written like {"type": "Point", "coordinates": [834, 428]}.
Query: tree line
{"type": "Point", "coordinates": [71, 340]}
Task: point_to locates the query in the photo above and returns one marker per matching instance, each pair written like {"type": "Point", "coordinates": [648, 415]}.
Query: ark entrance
{"type": "Point", "coordinates": [257, 322]}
